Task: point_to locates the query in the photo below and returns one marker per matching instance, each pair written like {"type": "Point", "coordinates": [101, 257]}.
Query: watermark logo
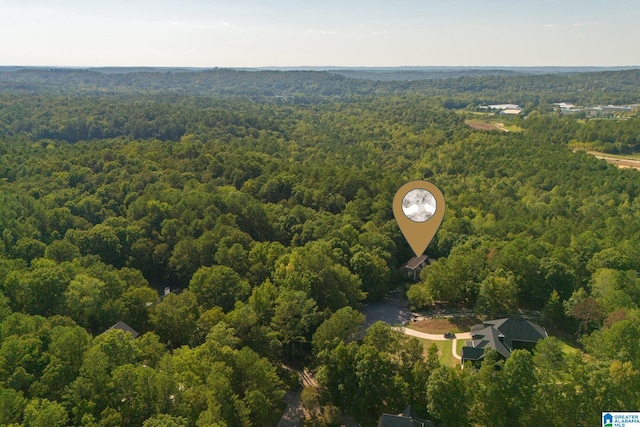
{"type": "Point", "coordinates": [607, 419]}
{"type": "Point", "coordinates": [621, 419]}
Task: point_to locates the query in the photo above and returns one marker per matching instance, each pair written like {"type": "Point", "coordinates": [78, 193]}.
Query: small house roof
{"type": "Point", "coordinates": [388, 420]}
{"type": "Point", "coordinates": [124, 327]}
{"type": "Point", "coordinates": [472, 353]}
{"type": "Point", "coordinates": [518, 330]}
{"type": "Point", "coordinates": [490, 337]}
{"type": "Point", "coordinates": [415, 262]}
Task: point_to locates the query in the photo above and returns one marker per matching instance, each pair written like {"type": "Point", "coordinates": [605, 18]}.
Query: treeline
{"type": "Point", "coordinates": [386, 371]}
{"type": "Point", "coordinates": [275, 221]}
{"type": "Point", "coordinates": [609, 136]}
{"type": "Point", "coordinates": [273, 218]}
{"type": "Point", "coordinates": [409, 74]}
{"type": "Point", "coordinates": [604, 87]}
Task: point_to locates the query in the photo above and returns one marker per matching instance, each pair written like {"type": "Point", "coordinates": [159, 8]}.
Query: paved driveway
{"type": "Point", "coordinates": [439, 337]}
{"type": "Point", "coordinates": [434, 337]}
{"type": "Point", "coordinates": [393, 311]}
{"type": "Point", "coordinates": [294, 414]}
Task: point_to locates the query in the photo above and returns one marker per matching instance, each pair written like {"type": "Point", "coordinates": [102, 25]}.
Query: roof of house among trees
{"type": "Point", "coordinates": [415, 262]}
{"type": "Point", "coordinates": [408, 418]}
{"type": "Point", "coordinates": [124, 327]}
{"type": "Point", "coordinates": [502, 335]}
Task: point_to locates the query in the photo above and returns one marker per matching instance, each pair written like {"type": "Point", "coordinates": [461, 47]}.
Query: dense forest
{"type": "Point", "coordinates": [472, 86]}
{"type": "Point", "coordinates": [263, 201]}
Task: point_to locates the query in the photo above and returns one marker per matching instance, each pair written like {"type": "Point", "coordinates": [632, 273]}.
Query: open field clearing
{"type": "Point", "coordinates": [622, 162]}
{"type": "Point", "coordinates": [487, 126]}
{"type": "Point", "coordinates": [480, 125]}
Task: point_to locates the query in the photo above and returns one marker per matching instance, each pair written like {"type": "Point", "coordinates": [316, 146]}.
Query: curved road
{"type": "Point", "coordinates": [433, 337]}
{"type": "Point", "coordinates": [438, 337]}
{"type": "Point", "coordinates": [395, 311]}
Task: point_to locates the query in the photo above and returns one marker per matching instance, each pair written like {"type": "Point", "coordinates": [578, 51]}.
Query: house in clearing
{"type": "Point", "coordinates": [503, 336]}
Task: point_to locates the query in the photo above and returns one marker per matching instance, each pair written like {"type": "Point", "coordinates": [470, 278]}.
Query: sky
{"type": "Point", "coordinates": [349, 33]}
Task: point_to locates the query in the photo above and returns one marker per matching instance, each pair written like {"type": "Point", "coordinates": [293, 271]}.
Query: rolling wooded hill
{"type": "Point", "coordinates": [265, 198]}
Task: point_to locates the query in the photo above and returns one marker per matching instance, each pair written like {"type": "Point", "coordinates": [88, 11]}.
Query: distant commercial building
{"type": "Point", "coordinates": [503, 107]}
{"type": "Point", "coordinates": [595, 111]}
{"type": "Point", "coordinates": [513, 109]}
{"type": "Point", "coordinates": [568, 108]}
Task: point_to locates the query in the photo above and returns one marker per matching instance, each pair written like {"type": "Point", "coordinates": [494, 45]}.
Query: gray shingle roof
{"type": "Point", "coordinates": [489, 334]}
{"type": "Point", "coordinates": [124, 327]}
{"type": "Point", "coordinates": [490, 337]}
{"type": "Point", "coordinates": [415, 262]}
{"type": "Point", "coordinates": [472, 353]}
{"type": "Point", "coordinates": [518, 330]}
{"type": "Point", "coordinates": [388, 420]}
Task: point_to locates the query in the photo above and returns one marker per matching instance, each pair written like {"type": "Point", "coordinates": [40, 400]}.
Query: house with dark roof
{"type": "Point", "coordinates": [411, 270]}
{"type": "Point", "coordinates": [503, 336]}
{"type": "Point", "coordinates": [408, 418]}
{"type": "Point", "coordinates": [124, 327]}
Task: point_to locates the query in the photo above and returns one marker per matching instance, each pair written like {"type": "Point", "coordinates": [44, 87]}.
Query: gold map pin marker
{"type": "Point", "coordinates": [419, 208]}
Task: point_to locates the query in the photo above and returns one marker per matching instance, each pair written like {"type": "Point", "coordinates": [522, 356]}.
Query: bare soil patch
{"type": "Point", "coordinates": [621, 163]}
{"type": "Point", "coordinates": [440, 325]}
{"type": "Point", "coordinates": [478, 125]}
{"type": "Point", "coordinates": [473, 124]}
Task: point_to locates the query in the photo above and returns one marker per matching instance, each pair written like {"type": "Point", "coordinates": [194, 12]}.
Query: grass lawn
{"type": "Point", "coordinates": [569, 342]}
{"type": "Point", "coordinates": [512, 128]}
{"type": "Point", "coordinates": [457, 325]}
{"type": "Point", "coordinates": [444, 351]}
{"type": "Point", "coordinates": [446, 357]}
{"type": "Point", "coordinates": [567, 350]}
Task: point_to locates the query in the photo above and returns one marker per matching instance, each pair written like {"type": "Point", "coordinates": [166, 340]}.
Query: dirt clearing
{"type": "Point", "coordinates": [619, 162]}
{"type": "Point", "coordinates": [440, 326]}
{"type": "Point", "coordinates": [478, 125]}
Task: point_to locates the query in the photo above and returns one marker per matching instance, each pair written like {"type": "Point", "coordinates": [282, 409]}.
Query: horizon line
{"type": "Point", "coordinates": [212, 67]}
